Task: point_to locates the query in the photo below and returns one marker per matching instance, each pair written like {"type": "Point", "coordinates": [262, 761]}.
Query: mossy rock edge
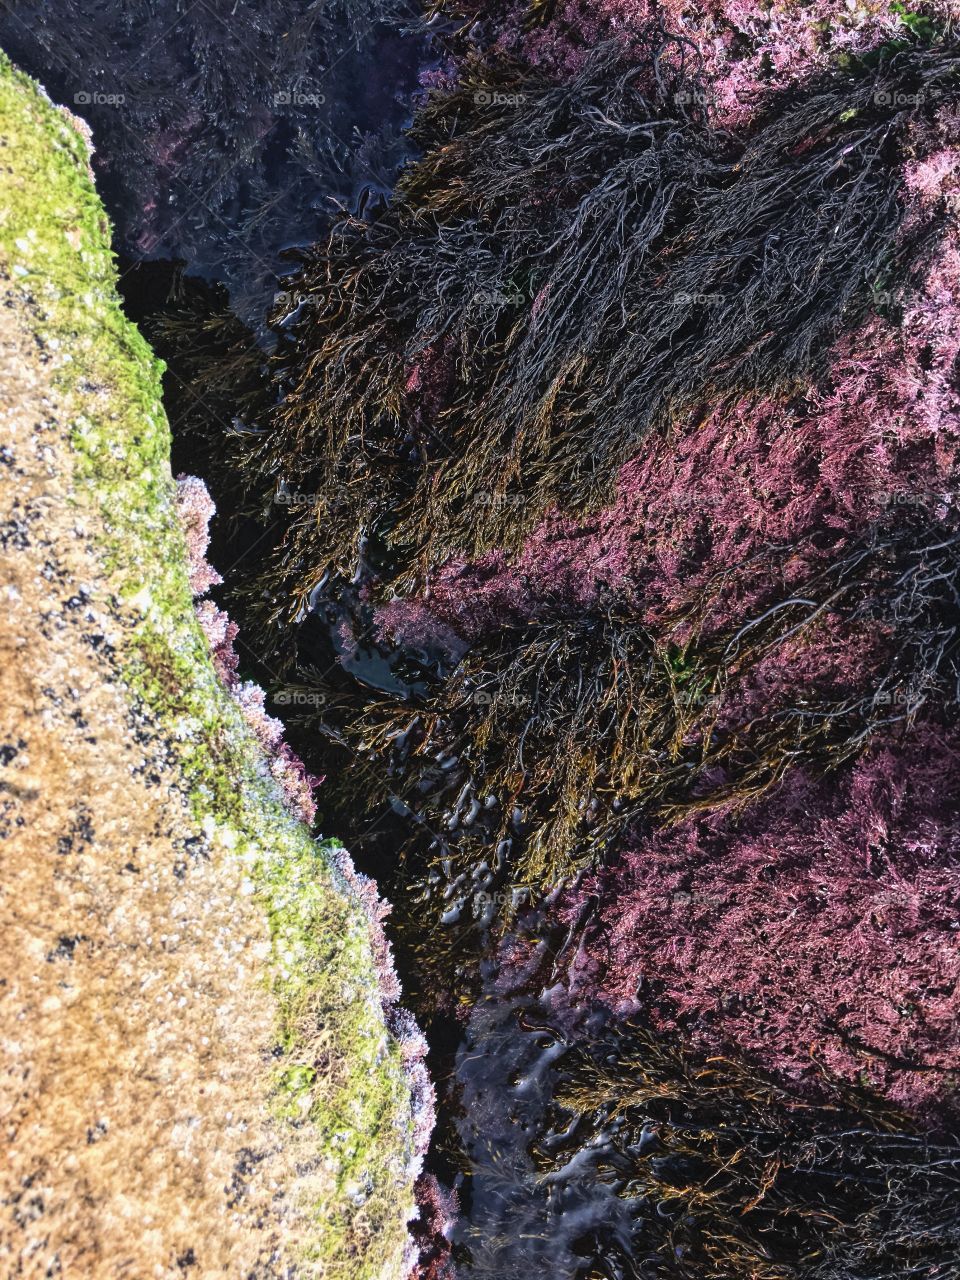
{"type": "Point", "coordinates": [338, 1088]}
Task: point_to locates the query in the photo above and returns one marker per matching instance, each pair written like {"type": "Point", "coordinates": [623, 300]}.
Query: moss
{"type": "Point", "coordinates": [339, 1082]}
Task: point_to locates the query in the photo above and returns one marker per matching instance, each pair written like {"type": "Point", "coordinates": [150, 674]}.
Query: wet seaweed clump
{"type": "Point", "coordinates": [728, 1175]}
{"type": "Point", "coordinates": [815, 934]}
{"type": "Point", "coordinates": [569, 269]}
{"type": "Point", "coordinates": [587, 723]}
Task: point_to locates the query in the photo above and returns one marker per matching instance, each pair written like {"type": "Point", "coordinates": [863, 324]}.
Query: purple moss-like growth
{"type": "Point", "coordinates": [747, 48]}
{"type": "Point", "coordinates": [432, 1229]}
{"type": "Point", "coordinates": [195, 508]}
{"type": "Point", "coordinates": [818, 936]}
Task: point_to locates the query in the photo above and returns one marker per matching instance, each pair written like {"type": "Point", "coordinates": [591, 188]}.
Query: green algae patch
{"type": "Point", "coordinates": [336, 1083]}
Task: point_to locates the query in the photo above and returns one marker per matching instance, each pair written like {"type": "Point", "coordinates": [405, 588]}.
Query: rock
{"type": "Point", "coordinates": [200, 1065]}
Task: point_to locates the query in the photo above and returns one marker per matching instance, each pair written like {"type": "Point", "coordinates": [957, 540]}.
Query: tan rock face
{"type": "Point", "coordinates": [137, 1035]}
{"type": "Point", "coordinates": [202, 1072]}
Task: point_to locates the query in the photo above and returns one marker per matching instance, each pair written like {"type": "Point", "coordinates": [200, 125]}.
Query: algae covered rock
{"type": "Point", "coordinates": [202, 1070]}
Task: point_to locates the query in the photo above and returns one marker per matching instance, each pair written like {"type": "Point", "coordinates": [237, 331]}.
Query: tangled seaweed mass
{"type": "Point", "coordinates": [641, 430]}
{"type": "Point", "coordinates": [600, 497]}
{"type": "Point", "coordinates": [630, 429]}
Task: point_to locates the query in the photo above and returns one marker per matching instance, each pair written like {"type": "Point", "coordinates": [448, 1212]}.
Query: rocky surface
{"type": "Point", "coordinates": [198, 1074]}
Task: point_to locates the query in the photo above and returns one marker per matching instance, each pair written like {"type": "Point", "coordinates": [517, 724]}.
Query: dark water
{"type": "Point", "coordinates": [227, 131]}
{"type": "Point", "coordinates": [518, 1223]}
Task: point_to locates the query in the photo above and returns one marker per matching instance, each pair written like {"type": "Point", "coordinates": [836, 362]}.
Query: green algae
{"type": "Point", "coordinates": [339, 1086]}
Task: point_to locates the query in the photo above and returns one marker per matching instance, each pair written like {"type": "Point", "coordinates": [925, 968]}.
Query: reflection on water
{"type": "Point", "coordinates": [517, 1223]}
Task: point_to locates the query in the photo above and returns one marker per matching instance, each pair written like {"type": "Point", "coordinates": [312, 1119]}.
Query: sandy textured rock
{"type": "Point", "coordinates": [196, 1071]}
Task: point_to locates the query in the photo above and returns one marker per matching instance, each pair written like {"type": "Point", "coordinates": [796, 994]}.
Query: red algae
{"type": "Point", "coordinates": [195, 509]}
{"type": "Point", "coordinates": [747, 48]}
{"type": "Point", "coordinates": [880, 435]}
{"type": "Point", "coordinates": [816, 936]}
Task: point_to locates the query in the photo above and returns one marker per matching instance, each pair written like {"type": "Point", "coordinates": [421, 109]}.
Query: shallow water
{"type": "Point", "coordinates": [519, 1224]}
{"type": "Point", "coordinates": [228, 132]}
